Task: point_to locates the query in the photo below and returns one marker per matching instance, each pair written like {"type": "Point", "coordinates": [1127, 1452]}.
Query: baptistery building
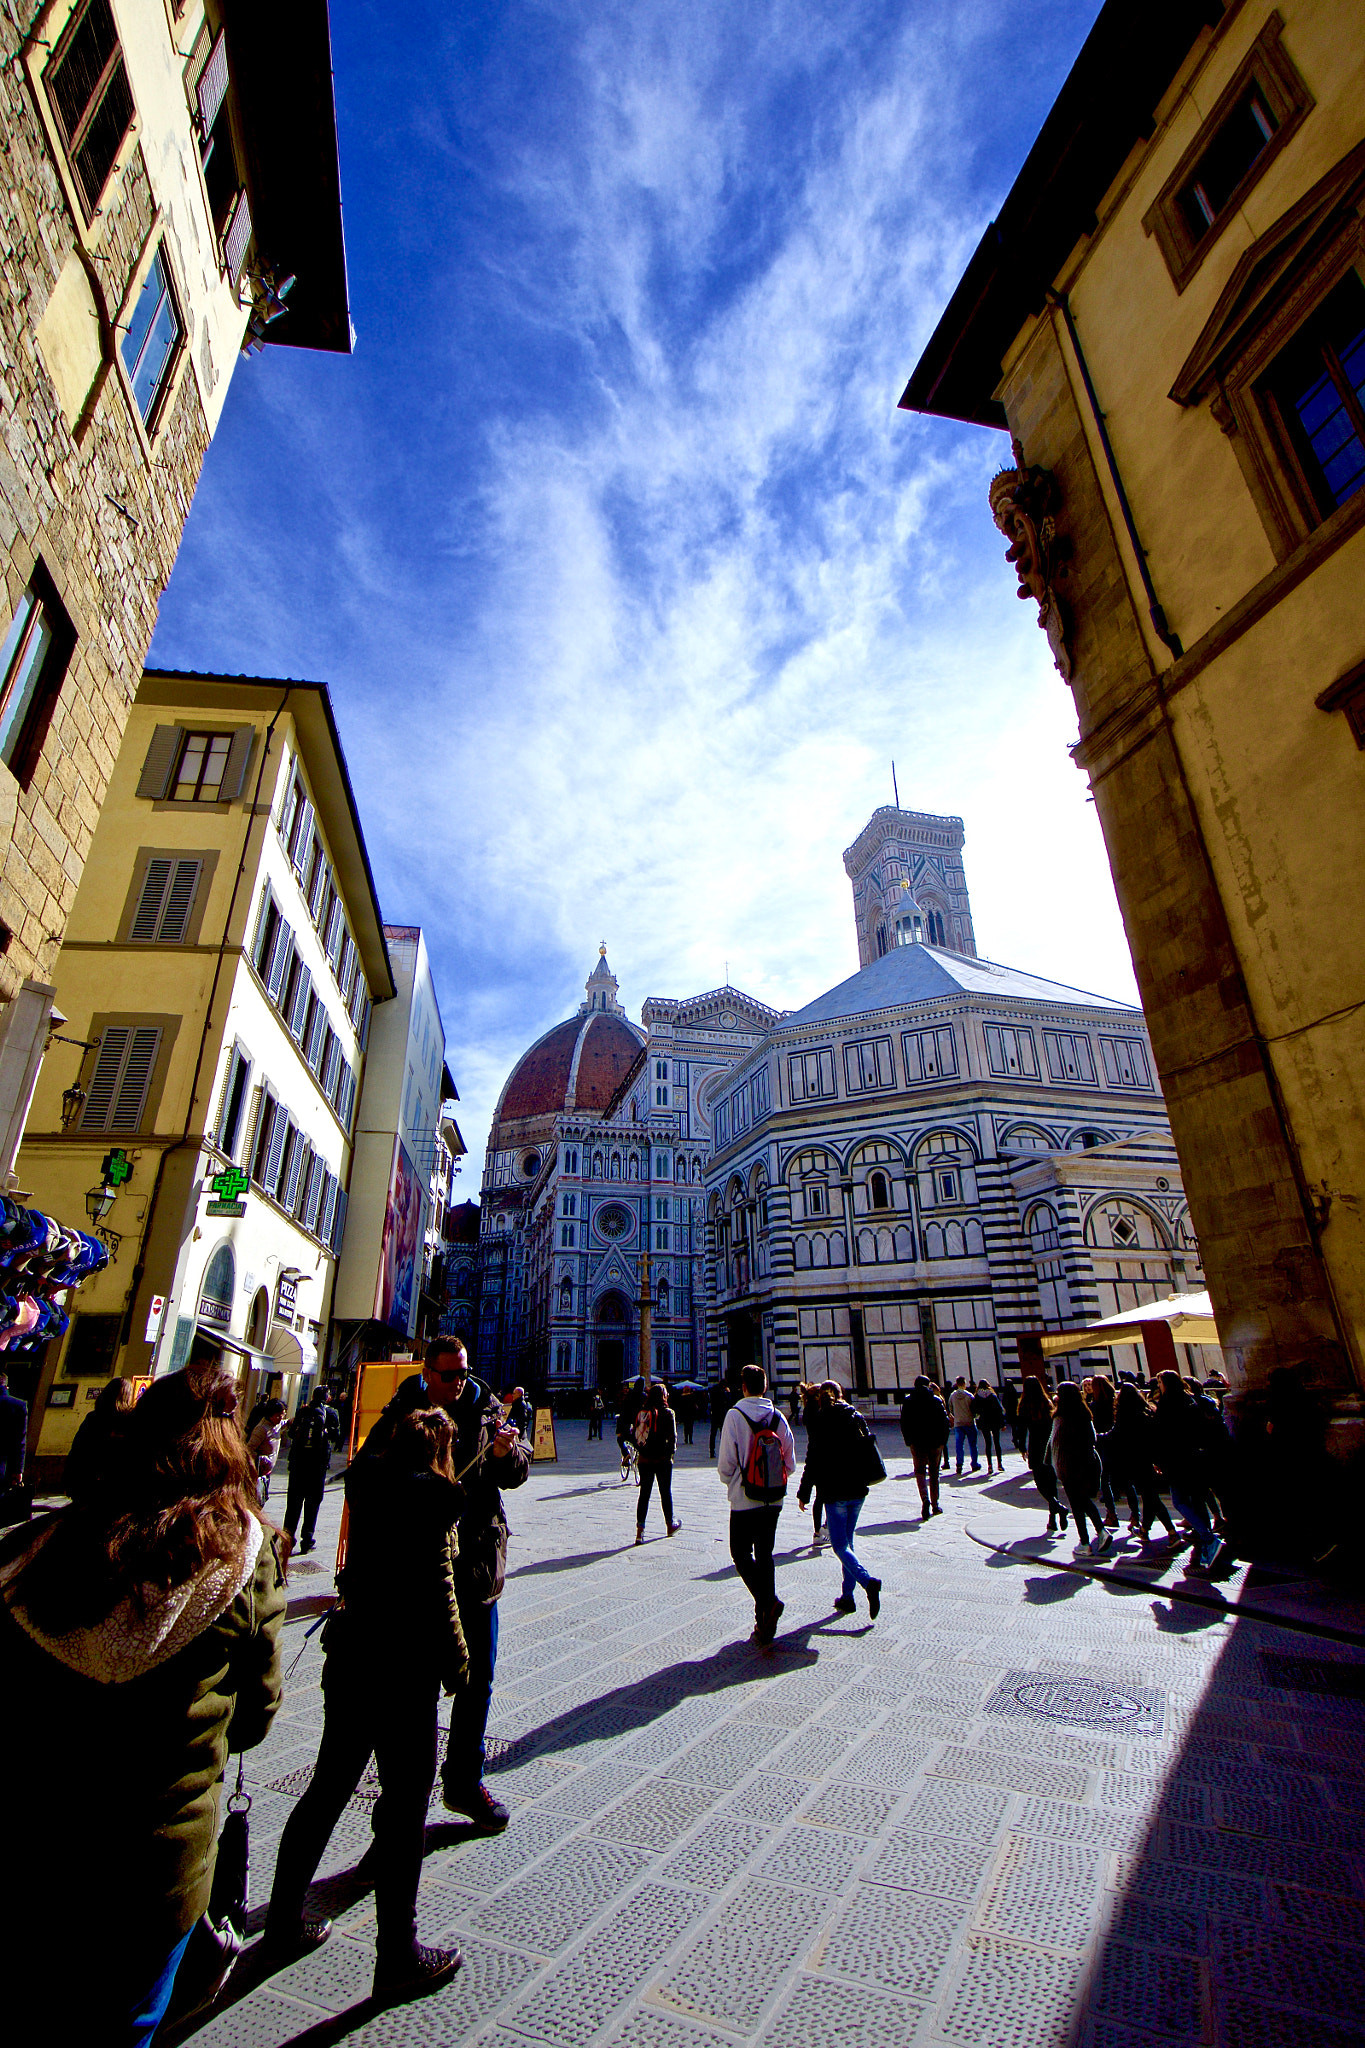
{"type": "Point", "coordinates": [935, 1158]}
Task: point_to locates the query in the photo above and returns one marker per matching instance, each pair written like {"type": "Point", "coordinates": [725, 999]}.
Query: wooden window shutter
{"type": "Point", "coordinates": [281, 953]}
{"type": "Point", "coordinates": [279, 1131]}
{"type": "Point", "coordinates": [328, 1212]}
{"type": "Point", "coordinates": [261, 1130]}
{"type": "Point", "coordinates": [131, 1099]}
{"type": "Point", "coordinates": [108, 1065]}
{"type": "Point", "coordinates": [297, 1152]}
{"type": "Point", "coordinates": [237, 237]}
{"type": "Point", "coordinates": [162, 755]}
{"type": "Point", "coordinates": [175, 916]}
{"type": "Point", "coordinates": [301, 837]}
{"type": "Point", "coordinates": [298, 1008]}
{"type": "Point", "coordinates": [155, 883]}
{"type": "Point", "coordinates": [339, 1221]}
{"type": "Point", "coordinates": [238, 761]}
{"type": "Point", "coordinates": [211, 88]}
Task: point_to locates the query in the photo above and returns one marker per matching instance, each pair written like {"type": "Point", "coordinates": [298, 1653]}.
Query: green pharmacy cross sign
{"type": "Point", "coordinates": [229, 1186]}
{"type": "Point", "coordinates": [116, 1168]}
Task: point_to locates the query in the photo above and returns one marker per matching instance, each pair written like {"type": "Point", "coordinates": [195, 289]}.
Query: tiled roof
{"type": "Point", "coordinates": [538, 1084]}
{"type": "Point", "coordinates": [922, 974]}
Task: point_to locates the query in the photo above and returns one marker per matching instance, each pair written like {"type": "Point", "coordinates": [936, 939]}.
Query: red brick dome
{"type": "Point", "coordinates": [578, 1065]}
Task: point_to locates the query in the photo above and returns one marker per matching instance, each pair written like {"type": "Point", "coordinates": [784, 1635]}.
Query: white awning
{"type": "Point", "coordinates": [1189, 1318]}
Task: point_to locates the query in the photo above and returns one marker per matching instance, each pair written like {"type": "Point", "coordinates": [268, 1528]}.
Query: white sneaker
{"type": "Point", "coordinates": [1104, 1541]}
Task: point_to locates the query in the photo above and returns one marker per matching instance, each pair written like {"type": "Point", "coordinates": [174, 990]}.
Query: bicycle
{"type": "Point", "coordinates": [630, 1462]}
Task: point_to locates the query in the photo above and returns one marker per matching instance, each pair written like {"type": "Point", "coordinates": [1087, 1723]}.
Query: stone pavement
{"type": "Point", "coordinates": [1024, 1809]}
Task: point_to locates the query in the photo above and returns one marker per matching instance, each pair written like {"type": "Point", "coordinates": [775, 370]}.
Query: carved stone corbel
{"type": "Point", "coordinates": [1023, 501]}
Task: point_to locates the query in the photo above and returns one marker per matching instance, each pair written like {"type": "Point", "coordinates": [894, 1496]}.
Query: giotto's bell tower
{"type": "Point", "coordinates": [908, 884]}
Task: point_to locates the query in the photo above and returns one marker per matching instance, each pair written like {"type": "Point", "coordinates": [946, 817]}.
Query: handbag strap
{"type": "Point", "coordinates": [239, 1793]}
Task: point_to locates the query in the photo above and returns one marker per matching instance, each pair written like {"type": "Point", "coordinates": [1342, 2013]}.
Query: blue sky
{"type": "Point", "coordinates": [627, 575]}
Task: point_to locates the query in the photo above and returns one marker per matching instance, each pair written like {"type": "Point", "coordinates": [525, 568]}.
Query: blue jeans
{"type": "Point", "coordinates": [147, 2007]}
{"type": "Point", "coordinates": [965, 1434]}
{"type": "Point", "coordinates": [842, 1516]}
{"type": "Point", "coordinates": [469, 1709]}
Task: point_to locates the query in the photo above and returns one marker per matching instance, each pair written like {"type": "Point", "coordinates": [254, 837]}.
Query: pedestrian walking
{"type": "Point", "coordinates": [810, 1404]}
{"type": "Point", "coordinates": [1182, 1440]}
{"type": "Point", "coordinates": [99, 1441]}
{"type": "Point", "coordinates": [391, 1647]}
{"type": "Point", "coordinates": [1098, 1390]}
{"type": "Point", "coordinates": [1009, 1401]}
{"type": "Point", "coordinates": [1126, 1451]}
{"type": "Point", "coordinates": [687, 1414]}
{"type": "Point", "coordinates": [1076, 1461]}
{"type": "Point", "coordinates": [757, 1458]}
{"type": "Point", "coordinates": [149, 1610]}
{"type": "Point", "coordinates": [489, 1455]}
{"type": "Point", "coordinates": [963, 1416]}
{"type": "Point", "coordinates": [990, 1420]}
{"type": "Point", "coordinates": [1035, 1418]}
{"type": "Point", "coordinates": [837, 1460]}
{"type": "Point", "coordinates": [310, 1459]}
{"type": "Point", "coordinates": [656, 1442]}
{"type": "Point", "coordinates": [925, 1427]}
{"type": "Point", "coordinates": [722, 1400]}
{"type": "Point", "coordinates": [597, 1409]}
{"type": "Point", "coordinates": [519, 1412]}
{"type": "Point", "coordinates": [263, 1443]}
{"type": "Point", "coordinates": [628, 1406]}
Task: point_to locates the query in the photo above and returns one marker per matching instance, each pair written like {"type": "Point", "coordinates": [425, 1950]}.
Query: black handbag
{"type": "Point", "coordinates": [219, 1934]}
{"type": "Point", "coordinates": [873, 1465]}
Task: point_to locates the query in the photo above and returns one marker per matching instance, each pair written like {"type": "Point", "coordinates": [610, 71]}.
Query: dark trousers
{"type": "Point", "coordinates": [649, 1475]}
{"type": "Point", "coordinates": [307, 1479]}
{"type": "Point", "coordinates": [753, 1531]}
{"type": "Point", "coordinates": [469, 1709]}
{"type": "Point", "coordinates": [594, 1428]}
{"type": "Point", "coordinates": [391, 1715]}
{"type": "Point", "coordinates": [1085, 1508]}
{"type": "Point", "coordinates": [991, 1440]}
{"type": "Point", "coordinates": [928, 1459]}
{"type": "Point", "coordinates": [1045, 1479]}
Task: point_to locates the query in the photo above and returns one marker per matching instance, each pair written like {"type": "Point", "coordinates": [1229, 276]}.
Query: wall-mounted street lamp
{"type": "Point", "coordinates": [73, 1098]}
{"type": "Point", "coordinates": [98, 1202]}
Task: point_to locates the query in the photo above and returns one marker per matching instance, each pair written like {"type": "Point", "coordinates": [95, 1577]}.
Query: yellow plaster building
{"type": "Point", "coordinates": [223, 956]}
{"type": "Point", "coordinates": [1168, 317]}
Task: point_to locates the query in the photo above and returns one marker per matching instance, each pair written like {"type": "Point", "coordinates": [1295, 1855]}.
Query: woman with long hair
{"type": "Point", "coordinates": [812, 1402]}
{"type": "Point", "coordinates": [836, 1462]}
{"type": "Point", "coordinates": [656, 1444]}
{"type": "Point", "coordinates": [925, 1427]}
{"type": "Point", "coordinates": [99, 1439]}
{"type": "Point", "coordinates": [148, 1614]}
{"type": "Point", "coordinates": [1127, 1453]}
{"type": "Point", "coordinates": [1076, 1461]}
{"type": "Point", "coordinates": [1035, 1426]}
{"type": "Point", "coordinates": [391, 1646]}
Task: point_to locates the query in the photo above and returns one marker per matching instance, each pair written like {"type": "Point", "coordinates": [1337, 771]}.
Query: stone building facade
{"type": "Point", "coordinates": [166, 170]}
{"type": "Point", "coordinates": [595, 1164]}
{"type": "Point", "coordinates": [1168, 318]}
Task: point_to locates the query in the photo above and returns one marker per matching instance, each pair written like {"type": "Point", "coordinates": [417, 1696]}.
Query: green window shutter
{"type": "Point", "coordinates": [162, 756]}
{"type": "Point", "coordinates": [238, 761]}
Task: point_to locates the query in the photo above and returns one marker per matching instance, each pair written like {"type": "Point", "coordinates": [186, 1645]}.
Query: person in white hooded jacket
{"type": "Point", "coordinates": [753, 1523]}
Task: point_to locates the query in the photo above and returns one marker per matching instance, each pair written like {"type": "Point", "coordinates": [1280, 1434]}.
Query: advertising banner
{"type": "Point", "coordinates": [400, 1248]}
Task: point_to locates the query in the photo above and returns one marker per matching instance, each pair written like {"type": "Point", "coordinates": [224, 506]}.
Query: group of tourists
{"type": "Point", "coordinates": [150, 1610]}
{"type": "Point", "coordinates": [1092, 1444]}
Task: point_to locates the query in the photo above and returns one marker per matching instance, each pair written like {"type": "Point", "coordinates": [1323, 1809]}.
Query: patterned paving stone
{"type": "Point", "coordinates": [824, 2014]}
{"type": "Point", "coordinates": [955, 1809]}
{"type": "Point", "coordinates": [1247, 2023]}
{"type": "Point", "coordinates": [1042, 1891]}
{"type": "Point", "coordinates": [727, 1756]}
{"type": "Point", "coordinates": [857, 1807]}
{"type": "Point", "coordinates": [768, 1798]}
{"type": "Point", "coordinates": [716, 1853]}
{"type": "Point", "coordinates": [1066, 1822]}
{"type": "Point", "coordinates": [484, 1863]}
{"type": "Point", "coordinates": [264, 2020]}
{"type": "Point", "coordinates": [1050, 1781]}
{"type": "Point", "coordinates": [656, 1813]}
{"type": "Point", "coordinates": [337, 1975]}
{"type": "Point", "coordinates": [934, 1863]}
{"type": "Point", "coordinates": [558, 1899]}
{"type": "Point", "coordinates": [578, 1999]}
{"type": "Point", "coordinates": [728, 1975]}
{"type": "Point", "coordinates": [812, 1753]}
{"type": "Point", "coordinates": [1322, 1974]}
{"type": "Point", "coordinates": [815, 1858]}
{"type": "Point", "coordinates": [1008, 1995]}
{"type": "Point", "coordinates": [647, 2028]}
{"type": "Point", "coordinates": [885, 1938]}
{"type": "Point", "coordinates": [886, 1759]}
{"type": "Point", "coordinates": [1149, 1989]}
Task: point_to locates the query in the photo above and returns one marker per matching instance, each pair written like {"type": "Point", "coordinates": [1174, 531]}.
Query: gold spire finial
{"type": "Point", "coordinates": [602, 949]}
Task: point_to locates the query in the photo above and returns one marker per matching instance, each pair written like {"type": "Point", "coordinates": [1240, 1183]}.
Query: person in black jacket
{"type": "Point", "coordinates": [310, 1456]}
{"type": "Point", "coordinates": [393, 1643]}
{"type": "Point", "coordinates": [497, 1457]}
{"type": "Point", "coordinates": [810, 1404]}
{"type": "Point", "coordinates": [925, 1427]}
{"type": "Point", "coordinates": [1127, 1453]}
{"type": "Point", "coordinates": [836, 1463]}
{"type": "Point", "coordinates": [656, 1442]}
{"type": "Point", "coordinates": [99, 1440]}
{"type": "Point", "coordinates": [990, 1420]}
{"type": "Point", "coordinates": [1035, 1420]}
{"type": "Point", "coordinates": [1185, 1441]}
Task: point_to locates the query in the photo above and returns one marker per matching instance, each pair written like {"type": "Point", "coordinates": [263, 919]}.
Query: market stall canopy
{"type": "Point", "coordinates": [1188, 1317]}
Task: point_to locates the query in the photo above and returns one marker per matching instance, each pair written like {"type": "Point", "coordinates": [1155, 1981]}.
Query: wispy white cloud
{"type": "Point", "coordinates": [689, 600]}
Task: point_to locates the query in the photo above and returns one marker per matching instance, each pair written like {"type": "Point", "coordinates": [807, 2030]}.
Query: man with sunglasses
{"type": "Point", "coordinates": [482, 1433]}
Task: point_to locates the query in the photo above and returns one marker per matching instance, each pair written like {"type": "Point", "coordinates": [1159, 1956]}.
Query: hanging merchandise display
{"type": "Point", "coordinates": [41, 1260]}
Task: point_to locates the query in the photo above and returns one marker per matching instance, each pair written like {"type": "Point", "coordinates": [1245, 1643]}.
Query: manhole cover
{"type": "Point", "coordinates": [1080, 1702]}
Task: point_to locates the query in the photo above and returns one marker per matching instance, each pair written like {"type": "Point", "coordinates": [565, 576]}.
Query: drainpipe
{"type": "Point", "coordinates": [1154, 610]}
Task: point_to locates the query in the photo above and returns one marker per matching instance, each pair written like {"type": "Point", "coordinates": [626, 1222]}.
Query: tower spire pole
{"type": "Point", "coordinates": [894, 786]}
